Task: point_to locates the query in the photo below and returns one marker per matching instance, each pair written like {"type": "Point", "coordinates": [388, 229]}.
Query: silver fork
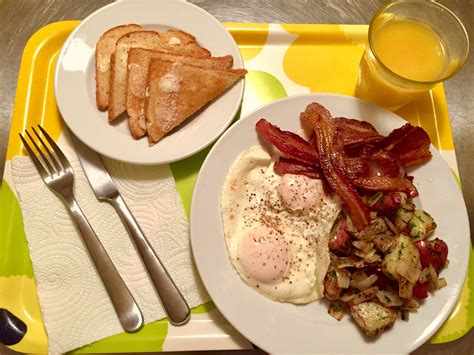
{"type": "Point", "coordinates": [57, 174]}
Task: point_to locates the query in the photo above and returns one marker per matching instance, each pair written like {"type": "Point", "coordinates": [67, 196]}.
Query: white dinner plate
{"type": "Point", "coordinates": [279, 327]}
{"type": "Point", "coordinates": [75, 82]}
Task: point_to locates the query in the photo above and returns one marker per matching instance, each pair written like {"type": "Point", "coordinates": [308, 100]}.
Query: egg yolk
{"type": "Point", "coordinates": [298, 192]}
{"type": "Point", "coordinates": [263, 254]}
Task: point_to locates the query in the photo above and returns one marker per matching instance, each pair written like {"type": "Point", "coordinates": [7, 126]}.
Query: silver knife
{"type": "Point", "coordinates": [105, 190]}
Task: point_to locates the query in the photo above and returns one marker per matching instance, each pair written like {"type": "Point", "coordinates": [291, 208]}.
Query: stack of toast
{"type": "Point", "coordinates": [158, 78]}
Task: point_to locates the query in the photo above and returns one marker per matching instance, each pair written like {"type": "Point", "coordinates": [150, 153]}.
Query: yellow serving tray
{"type": "Point", "coordinates": [282, 60]}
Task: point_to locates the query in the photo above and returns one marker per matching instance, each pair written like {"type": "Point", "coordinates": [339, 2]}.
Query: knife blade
{"type": "Point", "coordinates": [104, 188]}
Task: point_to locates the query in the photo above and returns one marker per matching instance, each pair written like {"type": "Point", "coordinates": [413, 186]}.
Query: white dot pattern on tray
{"type": "Point", "coordinates": [75, 306]}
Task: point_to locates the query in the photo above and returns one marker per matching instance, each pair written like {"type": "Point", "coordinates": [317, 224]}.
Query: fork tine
{"type": "Point", "coordinates": [53, 158]}
{"type": "Point", "coordinates": [45, 160]}
{"type": "Point", "coordinates": [65, 163]}
{"type": "Point", "coordinates": [39, 166]}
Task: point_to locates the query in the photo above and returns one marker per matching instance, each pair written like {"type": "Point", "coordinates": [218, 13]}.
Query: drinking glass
{"type": "Point", "coordinates": [412, 46]}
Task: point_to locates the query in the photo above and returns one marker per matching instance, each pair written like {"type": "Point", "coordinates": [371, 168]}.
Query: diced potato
{"type": "Point", "coordinates": [421, 225]}
{"type": "Point", "coordinates": [373, 318]}
{"type": "Point", "coordinates": [403, 215]}
{"type": "Point", "coordinates": [383, 242]}
{"type": "Point", "coordinates": [368, 292]}
{"type": "Point", "coordinates": [389, 298]}
{"type": "Point", "coordinates": [375, 227]}
{"type": "Point", "coordinates": [336, 310]}
{"type": "Point", "coordinates": [410, 304]}
{"type": "Point", "coordinates": [405, 288]}
{"type": "Point", "coordinates": [403, 249]}
{"type": "Point", "coordinates": [442, 283]}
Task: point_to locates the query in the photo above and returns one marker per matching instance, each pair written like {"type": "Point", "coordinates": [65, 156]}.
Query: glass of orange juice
{"type": "Point", "coordinates": [412, 46]}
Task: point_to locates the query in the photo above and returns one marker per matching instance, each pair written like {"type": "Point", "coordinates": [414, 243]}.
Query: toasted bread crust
{"type": "Point", "coordinates": [104, 48]}
{"type": "Point", "coordinates": [176, 90]}
{"type": "Point", "coordinates": [138, 62]}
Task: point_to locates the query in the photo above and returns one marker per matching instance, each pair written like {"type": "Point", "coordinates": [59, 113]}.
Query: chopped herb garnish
{"type": "Point", "coordinates": [400, 250]}
{"type": "Point", "coordinates": [420, 219]}
{"type": "Point", "coordinates": [416, 236]}
{"type": "Point", "coordinates": [382, 316]}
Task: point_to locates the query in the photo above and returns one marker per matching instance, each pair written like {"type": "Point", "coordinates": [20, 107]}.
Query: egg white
{"type": "Point", "coordinates": [250, 199]}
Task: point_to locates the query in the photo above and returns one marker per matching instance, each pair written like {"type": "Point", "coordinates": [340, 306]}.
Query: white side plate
{"type": "Point", "coordinates": [75, 82]}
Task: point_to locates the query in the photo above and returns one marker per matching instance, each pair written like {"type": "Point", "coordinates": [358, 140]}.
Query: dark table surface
{"type": "Point", "coordinates": [21, 18]}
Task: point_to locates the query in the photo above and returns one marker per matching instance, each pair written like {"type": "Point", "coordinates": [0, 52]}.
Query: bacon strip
{"type": "Point", "coordinates": [383, 164]}
{"type": "Point", "coordinates": [287, 142]}
{"type": "Point", "coordinates": [380, 164]}
{"type": "Point", "coordinates": [356, 167]}
{"type": "Point", "coordinates": [410, 145]}
{"type": "Point", "coordinates": [386, 183]}
{"type": "Point", "coordinates": [350, 155]}
{"type": "Point", "coordinates": [355, 125]}
{"type": "Point", "coordinates": [415, 158]}
{"type": "Point", "coordinates": [312, 114]}
{"type": "Point", "coordinates": [355, 132]}
{"type": "Point", "coordinates": [291, 166]}
{"type": "Point", "coordinates": [414, 148]}
{"type": "Point", "coordinates": [395, 136]}
{"type": "Point", "coordinates": [362, 149]}
{"type": "Point", "coordinates": [350, 140]}
{"type": "Point", "coordinates": [331, 161]}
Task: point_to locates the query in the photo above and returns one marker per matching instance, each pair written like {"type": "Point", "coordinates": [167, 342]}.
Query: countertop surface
{"type": "Point", "coordinates": [21, 18]}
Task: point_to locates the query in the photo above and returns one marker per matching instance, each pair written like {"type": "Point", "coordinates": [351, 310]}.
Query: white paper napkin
{"type": "Point", "coordinates": [75, 306]}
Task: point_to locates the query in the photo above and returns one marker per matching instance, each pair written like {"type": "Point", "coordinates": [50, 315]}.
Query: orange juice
{"type": "Point", "coordinates": [411, 49]}
{"type": "Point", "coordinates": [405, 58]}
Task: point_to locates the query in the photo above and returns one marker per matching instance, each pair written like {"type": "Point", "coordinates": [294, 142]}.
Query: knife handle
{"type": "Point", "coordinates": [172, 300]}
{"type": "Point", "coordinates": [127, 310]}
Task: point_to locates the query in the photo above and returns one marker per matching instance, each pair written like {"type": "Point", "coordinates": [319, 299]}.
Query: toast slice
{"type": "Point", "coordinates": [176, 90]}
{"type": "Point", "coordinates": [138, 62]}
{"type": "Point", "coordinates": [172, 41]}
{"type": "Point", "coordinates": [103, 50]}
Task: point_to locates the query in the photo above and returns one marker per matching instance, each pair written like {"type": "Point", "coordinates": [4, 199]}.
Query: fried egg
{"type": "Point", "coordinates": [277, 228]}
